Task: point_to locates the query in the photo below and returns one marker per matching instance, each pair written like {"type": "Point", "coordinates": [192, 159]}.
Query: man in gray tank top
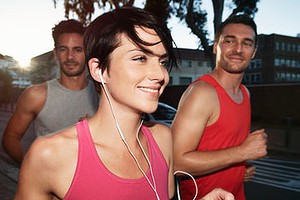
{"type": "Point", "coordinates": [63, 107]}
{"type": "Point", "coordinates": [58, 103]}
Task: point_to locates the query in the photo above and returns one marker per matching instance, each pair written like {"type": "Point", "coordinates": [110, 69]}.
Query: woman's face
{"type": "Point", "coordinates": [137, 78]}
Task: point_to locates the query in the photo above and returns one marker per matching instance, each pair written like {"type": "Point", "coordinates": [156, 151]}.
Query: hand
{"type": "Point", "coordinates": [249, 172]}
{"type": "Point", "coordinates": [218, 194]}
{"type": "Point", "coordinates": [255, 145]}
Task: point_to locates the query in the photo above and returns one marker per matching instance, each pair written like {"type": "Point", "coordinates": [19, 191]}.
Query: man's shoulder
{"type": "Point", "coordinates": [34, 96]}
{"type": "Point", "coordinates": [36, 88]}
{"type": "Point", "coordinates": [201, 88]}
{"type": "Point", "coordinates": [38, 91]}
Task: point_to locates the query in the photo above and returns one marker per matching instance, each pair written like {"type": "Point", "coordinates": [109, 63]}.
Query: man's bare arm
{"type": "Point", "coordinates": [29, 104]}
{"type": "Point", "coordinates": [193, 115]}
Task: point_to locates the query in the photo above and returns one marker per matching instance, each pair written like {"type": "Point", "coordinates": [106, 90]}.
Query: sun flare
{"type": "Point", "coordinates": [24, 61]}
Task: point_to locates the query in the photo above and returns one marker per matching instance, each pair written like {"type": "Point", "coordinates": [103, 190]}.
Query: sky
{"type": "Point", "coordinates": [25, 26]}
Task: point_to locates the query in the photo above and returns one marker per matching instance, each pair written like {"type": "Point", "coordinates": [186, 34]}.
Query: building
{"type": "Point", "coordinates": [192, 64]}
{"type": "Point", "coordinates": [277, 61]}
{"type": "Point", "coordinates": [44, 67]}
{"type": "Point", "coordinates": [20, 77]}
{"type": "Point", "coordinates": [7, 62]}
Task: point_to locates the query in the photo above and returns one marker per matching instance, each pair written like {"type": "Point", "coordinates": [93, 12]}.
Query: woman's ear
{"type": "Point", "coordinates": [95, 69]}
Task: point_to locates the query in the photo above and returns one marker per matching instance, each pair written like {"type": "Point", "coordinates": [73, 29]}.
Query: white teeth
{"type": "Point", "coordinates": [149, 90]}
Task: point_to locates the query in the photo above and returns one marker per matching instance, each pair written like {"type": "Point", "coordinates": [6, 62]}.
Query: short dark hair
{"type": "Point", "coordinates": [102, 35]}
{"type": "Point", "coordinates": [67, 26]}
{"type": "Point", "coordinates": [237, 19]}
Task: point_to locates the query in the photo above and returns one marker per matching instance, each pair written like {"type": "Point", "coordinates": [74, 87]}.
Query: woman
{"type": "Point", "coordinates": [114, 154]}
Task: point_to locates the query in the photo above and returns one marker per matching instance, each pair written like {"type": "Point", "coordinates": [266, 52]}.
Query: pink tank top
{"type": "Point", "coordinates": [92, 180]}
{"type": "Point", "coordinates": [229, 130]}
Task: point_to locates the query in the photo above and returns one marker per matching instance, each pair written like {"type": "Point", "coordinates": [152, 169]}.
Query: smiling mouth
{"type": "Point", "coordinates": [149, 90]}
{"type": "Point", "coordinates": [235, 59]}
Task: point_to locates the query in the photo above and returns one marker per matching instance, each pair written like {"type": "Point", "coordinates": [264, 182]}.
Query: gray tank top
{"type": "Point", "coordinates": [64, 107]}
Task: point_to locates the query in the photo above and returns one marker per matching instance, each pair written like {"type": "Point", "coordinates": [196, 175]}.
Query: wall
{"type": "Point", "coordinates": [271, 104]}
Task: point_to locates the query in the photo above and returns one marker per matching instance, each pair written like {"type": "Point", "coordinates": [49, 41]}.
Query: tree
{"type": "Point", "coordinates": [188, 10]}
{"type": "Point", "coordinates": [84, 9]}
{"type": "Point", "coordinates": [196, 18]}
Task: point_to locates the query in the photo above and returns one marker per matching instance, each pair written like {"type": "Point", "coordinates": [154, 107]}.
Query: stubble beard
{"type": "Point", "coordinates": [75, 72]}
{"type": "Point", "coordinates": [233, 69]}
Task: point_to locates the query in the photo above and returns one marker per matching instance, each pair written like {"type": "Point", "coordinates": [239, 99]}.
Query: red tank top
{"type": "Point", "coordinates": [231, 129]}
{"type": "Point", "coordinates": [93, 181]}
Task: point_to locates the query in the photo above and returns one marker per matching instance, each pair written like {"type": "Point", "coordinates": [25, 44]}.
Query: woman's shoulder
{"type": "Point", "coordinates": [53, 148]}
{"type": "Point", "coordinates": [161, 133]}
{"type": "Point", "coordinates": [158, 129]}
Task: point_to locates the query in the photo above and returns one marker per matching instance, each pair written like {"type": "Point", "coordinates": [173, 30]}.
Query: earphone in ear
{"type": "Point", "coordinates": [100, 76]}
{"type": "Point", "coordinates": [153, 183]}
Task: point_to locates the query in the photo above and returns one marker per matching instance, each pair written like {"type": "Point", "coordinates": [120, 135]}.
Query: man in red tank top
{"type": "Point", "coordinates": [211, 130]}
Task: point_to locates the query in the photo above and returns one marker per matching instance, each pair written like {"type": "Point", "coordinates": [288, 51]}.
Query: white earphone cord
{"type": "Point", "coordinates": [153, 186]}
{"type": "Point", "coordinates": [196, 187]}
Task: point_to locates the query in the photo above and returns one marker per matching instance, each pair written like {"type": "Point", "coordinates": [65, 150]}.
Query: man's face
{"type": "Point", "coordinates": [70, 54]}
{"type": "Point", "coordinates": [235, 48]}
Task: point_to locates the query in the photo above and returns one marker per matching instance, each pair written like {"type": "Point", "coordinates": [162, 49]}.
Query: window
{"type": "Point", "coordinates": [255, 64]}
{"type": "Point", "coordinates": [187, 63]}
{"type": "Point", "coordinates": [256, 77]}
{"type": "Point", "coordinates": [277, 76]}
{"type": "Point", "coordinates": [253, 78]}
{"type": "Point", "coordinates": [277, 62]}
{"type": "Point", "coordinates": [288, 47]}
{"type": "Point", "coordinates": [282, 47]}
{"type": "Point", "coordinates": [288, 63]}
{"type": "Point", "coordinates": [171, 81]}
{"type": "Point", "coordinates": [288, 76]}
{"type": "Point", "coordinates": [294, 48]}
{"type": "Point", "coordinates": [277, 46]}
{"type": "Point", "coordinates": [293, 63]}
{"type": "Point", "coordinates": [185, 80]}
{"type": "Point", "coordinates": [200, 63]}
{"type": "Point", "coordinates": [258, 63]}
{"type": "Point", "coordinates": [282, 62]}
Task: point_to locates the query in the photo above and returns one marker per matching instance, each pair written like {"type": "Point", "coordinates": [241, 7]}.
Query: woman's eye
{"type": "Point", "coordinates": [140, 58]}
{"type": "Point", "coordinates": [164, 63]}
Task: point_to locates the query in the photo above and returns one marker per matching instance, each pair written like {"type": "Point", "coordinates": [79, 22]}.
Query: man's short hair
{"type": "Point", "coordinates": [67, 26]}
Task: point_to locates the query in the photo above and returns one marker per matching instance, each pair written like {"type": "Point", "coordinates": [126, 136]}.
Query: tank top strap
{"type": "Point", "coordinates": [220, 90]}
{"type": "Point", "coordinates": [83, 134]}
{"type": "Point", "coordinates": [149, 137]}
{"type": "Point", "coordinates": [209, 79]}
{"type": "Point", "coordinates": [244, 91]}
